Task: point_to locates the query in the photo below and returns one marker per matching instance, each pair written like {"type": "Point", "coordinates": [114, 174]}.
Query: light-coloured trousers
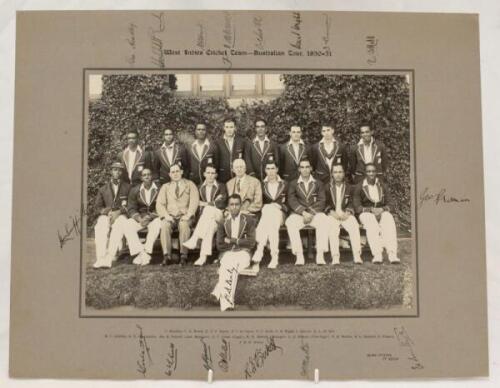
{"type": "Point", "coordinates": [269, 227]}
{"type": "Point", "coordinates": [131, 227]}
{"type": "Point", "coordinates": [184, 228]}
{"type": "Point", "coordinates": [206, 227]}
{"type": "Point", "coordinates": [102, 229]}
{"type": "Point", "coordinates": [381, 233]}
{"type": "Point", "coordinates": [352, 227]}
{"type": "Point", "coordinates": [231, 263]}
{"type": "Point", "coordinates": [295, 222]}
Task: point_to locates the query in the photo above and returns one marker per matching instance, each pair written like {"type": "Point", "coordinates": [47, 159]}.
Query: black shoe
{"type": "Point", "coordinates": [166, 260]}
{"type": "Point", "coordinates": [183, 259]}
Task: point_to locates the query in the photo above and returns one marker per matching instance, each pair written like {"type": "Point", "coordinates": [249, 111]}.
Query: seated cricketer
{"type": "Point", "coordinates": [340, 209]}
{"type": "Point", "coordinates": [373, 203]}
{"type": "Point", "coordinates": [247, 187]}
{"type": "Point", "coordinates": [177, 204]}
{"type": "Point", "coordinates": [111, 203]}
{"type": "Point", "coordinates": [141, 212]}
{"type": "Point", "coordinates": [273, 213]}
{"type": "Point", "coordinates": [235, 240]}
{"type": "Point", "coordinates": [213, 198]}
{"type": "Point", "coordinates": [306, 199]}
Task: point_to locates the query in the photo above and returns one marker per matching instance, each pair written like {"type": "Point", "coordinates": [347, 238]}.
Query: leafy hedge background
{"type": "Point", "coordinates": [148, 103]}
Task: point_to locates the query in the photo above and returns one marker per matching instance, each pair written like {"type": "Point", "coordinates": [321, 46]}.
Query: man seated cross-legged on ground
{"type": "Point", "coordinates": [373, 203]}
{"type": "Point", "coordinates": [235, 240]}
{"type": "Point", "coordinates": [213, 198]}
{"type": "Point", "coordinates": [340, 211]}
{"type": "Point", "coordinates": [306, 199]}
{"type": "Point", "coordinates": [176, 205]}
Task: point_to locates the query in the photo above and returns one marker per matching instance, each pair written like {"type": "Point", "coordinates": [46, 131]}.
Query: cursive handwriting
{"type": "Point", "coordinates": [295, 31]}
{"type": "Point", "coordinates": [228, 283]}
{"type": "Point", "coordinates": [326, 37]}
{"type": "Point", "coordinates": [71, 230]}
{"type": "Point", "coordinates": [371, 49]}
{"type": "Point", "coordinates": [201, 37]}
{"type": "Point", "coordinates": [258, 32]}
{"type": "Point", "coordinates": [131, 42]}
{"type": "Point", "coordinates": [256, 361]}
{"type": "Point", "coordinates": [144, 351]}
{"type": "Point", "coordinates": [304, 346]}
{"type": "Point", "coordinates": [171, 360]}
{"type": "Point", "coordinates": [406, 342]}
{"type": "Point", "coordinates": [438, 198]}
{"type": "Point", "coordinates": [206, 355]}
{"type": "Point", "coordinates": [157, 54]}
{"type": "Point", "coordinates": [225, 355]}
{"type": "Point", "coordinates": [229, 33]}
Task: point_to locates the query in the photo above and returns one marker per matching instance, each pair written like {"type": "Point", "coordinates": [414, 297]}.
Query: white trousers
{"type": "Point", "coordinates": [381, 233]}
{"type": "Point", "coordinates": [352, 227]}
{"type": "Point", "coordinates": [231, 263]}
{"type": "Point", "coordinates": [295, 222]}
{"type": "Point", "coordinates": [269, 227]}
{"type": "Point", "coordinates": [206, 227]}
{"type": "Point", "coordinates": [130, 229]}
{"type": "Point", "coordinates": [101, 230]}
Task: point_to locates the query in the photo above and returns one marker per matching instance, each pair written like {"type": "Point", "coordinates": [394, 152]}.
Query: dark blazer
{"type": "Point", "coordinates": [144, 159]}
{"type": "Point", "coordinates": [289, 165]}
{"type": "Point", "coordinates": [258, 157]}
{"type": "Point", "coordinates": [357, 161]}
{"type": "Point", "coordinates": [363, 202]}
{"type": "Point", "coordinates": [226, 158]}
{"type": "Point", "coordinates": [246, 236]}
{"type": "Point", "coordinates": [280, 195]}
{"type": "Point", "coordinates": [161, 165]}
{"type": "Point", "coordinates": [219, 198]}
{"type": "Point", "coordinates": [106, 199]}
{"type": "Point", "coordinates": [314, 201]}
{"type": "Point", "coordinates": [137, 206]}
{"type": "Point", "coordinates": [347, 197]}
{"type": "Point", "coordinates": [339, 154]}
{"type": "Point", "coordinates": [197, 165]}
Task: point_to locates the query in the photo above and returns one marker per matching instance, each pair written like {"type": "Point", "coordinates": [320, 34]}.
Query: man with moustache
{"type": "Point", "coordinates": [327, 152]}
{"type": "Point", "coordinates": [203, 151]}
{"type": "Point", "coordinates": [213, 198]}
{"type": "Point", "coordinates": [170, 153]}
{"type": "Point", "coordinates": [368, 150]}
{"type": "Point", "coordinates": [135, 159]}
{"type": "Point", "coordinates": [260, 150]}
{"type": "Point", "coordinates": [291, 153]}
{"type": "Point", "coordinates": [247, 187]}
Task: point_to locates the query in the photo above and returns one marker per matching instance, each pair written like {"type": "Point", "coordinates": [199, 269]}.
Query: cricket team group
{"type": "Point", "coordinates": [241, 192]}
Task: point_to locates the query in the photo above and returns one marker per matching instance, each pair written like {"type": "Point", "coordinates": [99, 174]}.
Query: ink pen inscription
{"type": "Point", "coordinates": [206, 355]}
{"type": "Point", "coordinates": [201, 37]}
{"type": "Point", "coordinates": [258, 32]}
{"type": "Point", "coordinates": [229, 33]}
{"type": "Point", "coordinates": [371, 49]}
{"type": "Point", "coordinates": [132, 43]}
{"type": "Point", "coordinates": [157, 54]}
{"type": "Point", "coordinates": [256, 361]}
{"type": "Point", "coordinates": [295, 30]}
{"type": "Point", "coordinates": [71, 230]}
{"type": "Point", "coordinates": [304, 346]}
{"type": "Point", "coordinates": [326, 37]}
{"type": "Point", "coordinates": [225, 355]}
{"type": "Point", "coordinates": [145, 359]}
{"type": "Point", "coordinates": [438, 198]}
{"type": "Point", "coordinates": [406, 342]}
{"type": "Point", "coordinates": [171, 360]}
{"type": "Point", "coordinates": [228, 283]}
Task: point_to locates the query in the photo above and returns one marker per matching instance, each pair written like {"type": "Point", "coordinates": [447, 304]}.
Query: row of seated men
{"type": "Point", "coordinates": [229, 147]}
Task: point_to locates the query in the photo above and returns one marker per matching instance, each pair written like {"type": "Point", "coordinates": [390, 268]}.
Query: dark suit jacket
{"type": "Point", "coordinates": [161, 165]}
{"type": "Point", "coordinates": [280, 195]}
{"type": "Point", "coordinates": [357, 162]}
{"type": "Point", "coordinates": [347, 197]}
{"type": "Point", "coordinates": [197, 165]}
{"type": "Point", "coordinates": [289, 165]}
{"type": "Point", "coordinates": [144, 159]}
{"type": "Point", "coordinates": [219, 198]}
{"type": "Point", "coordinates": [137, 205]}
{"type": "Point", "coordinates": [106, 199]}
{"type": "Point", "coordinates": [314, 201]}
{"type": "Point", "coordinates": [246, 236]}
{"type": "Point", "coordinates": [258, 157]}
{"type": "Point", "coordinates": [363, 202]}
{"type": "Point", "coordinates": [340, 154]}
{"type": "Point", "coordinates": [240, 151]}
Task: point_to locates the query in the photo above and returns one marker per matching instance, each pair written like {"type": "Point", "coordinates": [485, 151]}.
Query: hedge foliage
{"type": "Point", "coordinates": [148, 104]}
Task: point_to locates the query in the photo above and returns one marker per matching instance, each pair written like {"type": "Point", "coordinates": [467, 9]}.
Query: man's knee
{"type": "Point", "coordinates": [184, 226]}
{"type": "Point", "coordinates": [386, 217]}
{"type": "Point", "coordinates": [102, 223]}
{"type": "Point", "coordinates": [166, 226]}
{"type": "Point", "coordinates": [368, 219]}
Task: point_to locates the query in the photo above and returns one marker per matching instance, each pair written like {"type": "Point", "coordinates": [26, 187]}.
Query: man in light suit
{"type": "Point", "coordinates": [273, 213]}
{"type": "Point", "coordinates": [202, 151]}
{"type": "Point", "coordinates": [176, 206]}
{"type": "Point", "coordinates": [135, 159]}
{"type": "Point", "coordinates": [373, 204]}
{"type": "Point", "coordinates": [170, 153]}
{"type": "Point", "coordinates": [260, 150]}
{"type": "Point", "coordinates": [291, 154]}
{"type": "Point", "coordinates": [368, 150]}
{"type": "Point", "coordinates": [247, 187]}
{"type": "Point", "coordinates": [327, 152]}
{"type": "Point", "coordinates": [340, 209]}
{"type": "Point", "coordinates": [213, 198]}
{"type": "Point", "coordinates": [231, 147]}
{"type": "Point", "coordinates": [306, 199]}
{"type": "Point", "coordinates": [235, 241]}
{"type": "Point", "coordinates": [111, 203]}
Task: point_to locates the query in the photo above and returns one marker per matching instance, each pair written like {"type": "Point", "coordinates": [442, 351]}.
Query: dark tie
{"type": "Point", "coordinates": [237, 186]}
{"type": "Point", "coordinates": [177, 189]}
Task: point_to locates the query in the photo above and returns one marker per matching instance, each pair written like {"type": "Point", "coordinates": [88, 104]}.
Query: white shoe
{"type": "Point", "coordinates": [274, 262]}
{"type": "Point", "coordinates": [394, 259]}
{"type": "Point", "coordinates": [335, 259]}
{"type": "Point", "coordinates": [300, 259]}
{"type": "Point", "coordinates": [358, 260]}
{"type": "Point", "coordinates": [98, 263]}
{"type": "Point", "coordinates": [191, 243]}
{"type": "Point", "coordinates": [201, 261]}
{"type": "Point", "coordinates": [146, 258]}
{"type": "Point", "coordinates": [377, 259]}
{"type": "Point", "coordinates": [320, 258]}
{"type": "Point", "coordinates": [257, 256]}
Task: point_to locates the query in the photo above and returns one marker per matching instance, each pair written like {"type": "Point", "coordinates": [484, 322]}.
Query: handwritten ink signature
{"type": "Point", "coordinates": [304, 346]}
{"type": "Point", "coordinates": [206, 355]}
{"type": "Point", "coordinates": [131, 42]}
{"type": "Point", "coordinates": [171, 360]}
{"type": "Point", "coordinates": [326, 36]}
{"type": "Point", "coordinates": [406, 342]}
{"type": "Point", "coordinates": [225, 355]}
{"type": "Point", "coordinates": [295, 31]}
{"type": "Point", "coordinates": [228, 284]}
{"type": "Point", "coordinates": [157, 57]}
{"type": "Point", "coordinates": [438, 198]}
{"type": "Point", "coordinates": [71, 231]}
{"type": "Point", "coordinates": [229, 33]}
{"type": "Point", "coordinates": [371, 49]}
{"type": "Point", "coordinates": [201, 36]}
{"type": "Point", "coordinates": [144, 351]}
{"type": "Point", "coordinates": [256, 361]}
{"type": "Point", "coordinates": [258, 32]}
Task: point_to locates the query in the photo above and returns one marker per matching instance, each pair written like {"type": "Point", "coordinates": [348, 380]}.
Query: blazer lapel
{"type": "Point", "coordinates": [154, 193]}
{"type": "Point", "coordinates": [281, 187]}
{"type": "Point", "coordinates": [125, 158]}
{"type": "Point", "coordinates": [374, 152]}
{"type": "Point", "coordinates": [138, 156]}
{"type": "Point", "coordinates": [292, 154]}
{"type": "Point", "coordinates": [203, 193]}
{"type": "Point", "coordinates": [257, 148]}
{"type": "Point", "coordinates": [193, 151]}
{"type": "Point", "coordinates": [175, 152]}
{"type": "Point", "coordinates": [302, 188]}
{"type": "Point", "coordinates": [313, 187]}
{"type": "Point", "coordinates": [205, 151]}
{"type": "Point", "coordinates": [227, 227]}
{"type": "Point", "coordinates": [361, 153]}
{"type": "Point", "coordinates": [266, 147]}
{"type": "Point", "coordinates": [142, 194]}
{"type": "Point", "coordinates": [243, 224]}
{"type": "Point", "coordinates": [164, 156]}
{"type": "Point", "coordinates": [333, 193]}
{"type": "Point", "coordinates": [301, 152]}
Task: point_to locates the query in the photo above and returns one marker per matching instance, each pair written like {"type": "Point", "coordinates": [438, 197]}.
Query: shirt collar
{"type": "Point", "coordinates": [137, 149]}
{"type": "Point", "coordinates": [365, 182]}
{"type": "Point", "coordinates": [256, 139]}
{"type": "Point", "coordinates": [362, 143]}
{"type": "Point", "coordinates": [205, 183]}
{"type": "Point", "coordinates": [277, 181]}
{"type": "Point", "coordinates": [300, 142]}
{"type": "Point", "coordinates": [311, 179]}
{"type": "Point", "coordinates": [238, 217]}
{"type": "Point", "coordinates": [164, 145]}
{"type": "Point", "coordinates": [322, 141]}
{"type": "Point", "coordinates": [153, 185]}
{"type": "Point", "coordinates": [206, 142]}
{"type": "Point", "coordinates": [227, 137]}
